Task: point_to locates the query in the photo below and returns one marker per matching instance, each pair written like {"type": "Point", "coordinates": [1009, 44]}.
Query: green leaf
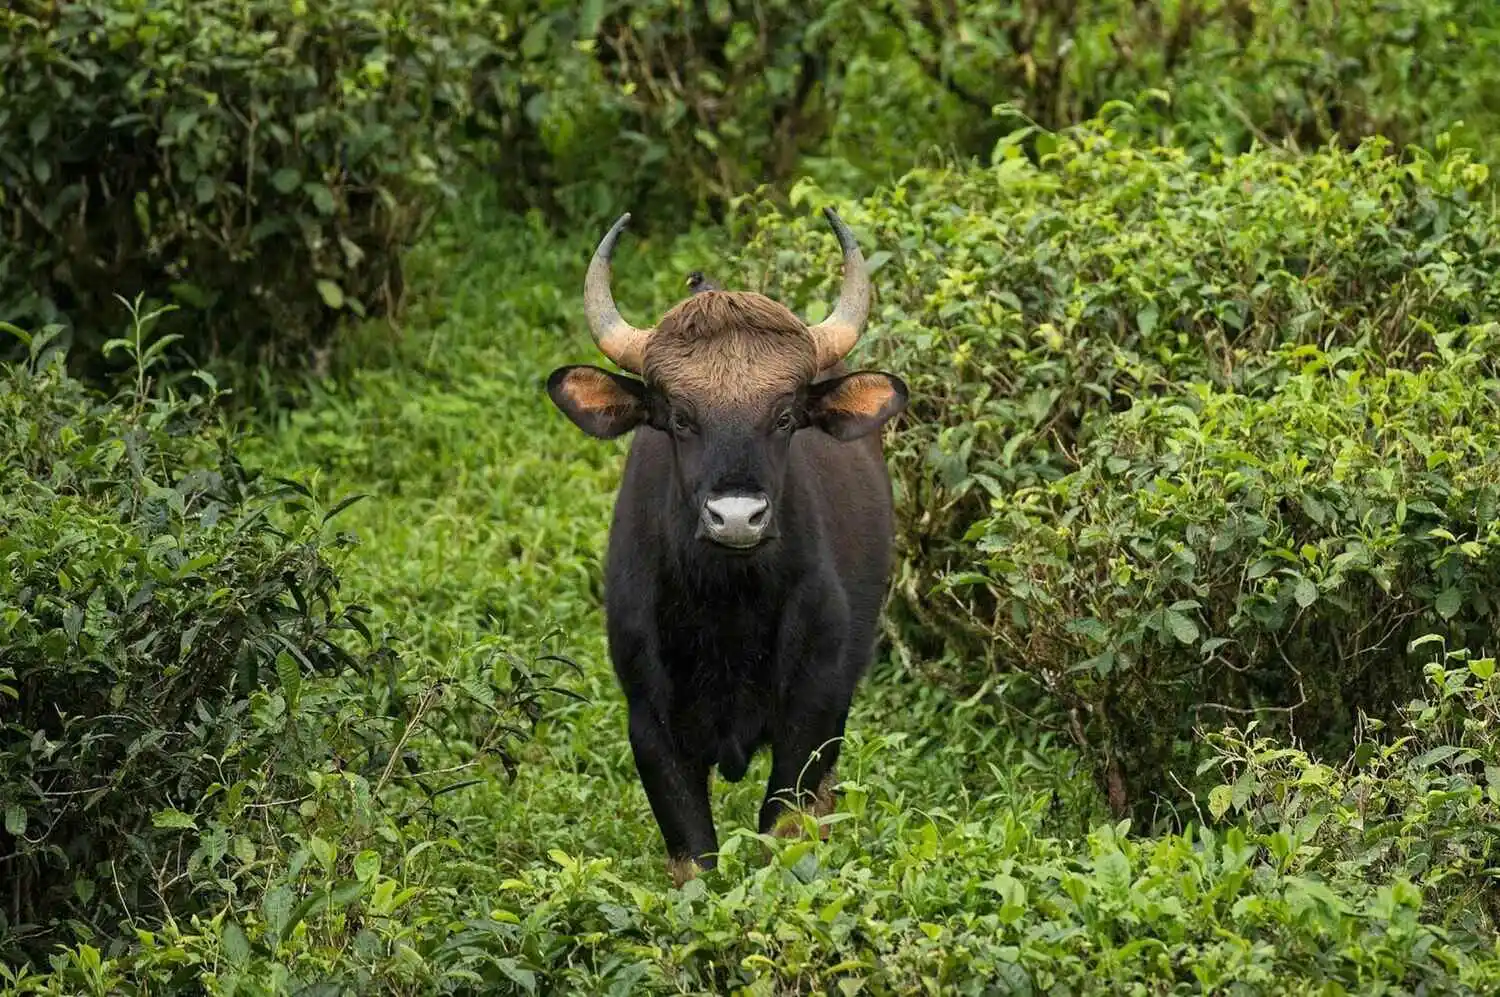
{"type": "Point", "coordinates": [367, 865]}
{"type": "Point", "coordinates": [1449, 602]}
{"type": "Point", "coordinates": [331, 293]}
{"type": "Point", "coordinates": [290, 674]}
{"type": "Point", "coordinates": [1182, 626]}
{"type": "Point", "coordinates": [1305, 592]}
{"type": "Point", "coordinates": [73, 621]}
{"type": "Point", "coordinates": [1146, 319]}
{"type": "Point", "coordinates": [524, 978]}
{"type": "Point", "coordinates": [1219, 800]}
{"type": "Point", "coordinates": [236, 945]}
{"type": "Point", "coordinates": [1113, 873]}
{"type": "Point", "coordinates": [322, 197]}
{"type": "Point", "coordinates": [323, 851]}
{"type": "Point", "coordinates": [285, 180]}
{"type": "Point", "coordinates": [15, 820]}
{"type": "Point", "coordinates": [1260, 568]}
{"type": "Point", "coordinates": [276, 908]}
{"type": "Point", "coordinates": [173, 818]}
{"type": "Point", "coordinates": [534, 42]}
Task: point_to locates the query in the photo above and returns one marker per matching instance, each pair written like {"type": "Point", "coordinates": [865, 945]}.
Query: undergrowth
{"type": "Point", "coordinates": [970, 852]}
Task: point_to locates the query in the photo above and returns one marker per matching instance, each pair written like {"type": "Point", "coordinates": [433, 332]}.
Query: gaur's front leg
{"type": "Point", "coordinates": [813, 707]}
{"type": "Point", "coordinates": [803, 760]}
{"type": "Point", "coordinates": [676, 787]}
{"type": "Point", "coordinates": [678, 791]}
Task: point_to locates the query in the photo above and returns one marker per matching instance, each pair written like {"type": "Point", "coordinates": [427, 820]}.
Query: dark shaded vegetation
{"type": "Point", "coordinates": [173, 150]}
{"type": "Point", "coordinates": [184, 679]}
{"type": "Point", "coordinates": [1065, 325]}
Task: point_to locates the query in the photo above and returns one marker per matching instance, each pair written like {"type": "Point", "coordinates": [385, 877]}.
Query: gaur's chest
{"type": "Point", "coordinates": [716, 641]}
{"type": "Point", "coordinates": [725, 684]}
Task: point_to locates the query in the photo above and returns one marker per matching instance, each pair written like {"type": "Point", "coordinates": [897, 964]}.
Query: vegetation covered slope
{"type": "Point", "coordinates": [967, 856]}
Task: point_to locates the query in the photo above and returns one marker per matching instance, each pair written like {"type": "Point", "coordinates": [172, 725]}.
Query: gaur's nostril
{"type": "Point", "coordinates": [736, 520]}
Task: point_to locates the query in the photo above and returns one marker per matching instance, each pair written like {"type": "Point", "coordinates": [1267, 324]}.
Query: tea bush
{"type": "Point", "coordinates": [1021, 302]}
{"type": "Point", "coordinates": [664, 107]}
{"type": "Point", "coordinates": [1220, 72]}
{"type": "Point", "coordinates": [1217, 554]}
{"type": "Point", "coordinates": [260, 164]}
{"type": "Point", "coordinates": [679, 105]}
{"type": "Point", "coordinates": [183, 681]}
{"type": "Point", "coordinates": [1417, 799]}
{"type": "Point", "coordinates": [1028, 303]}
{"type": "Point", "coordinates": [165, 149]}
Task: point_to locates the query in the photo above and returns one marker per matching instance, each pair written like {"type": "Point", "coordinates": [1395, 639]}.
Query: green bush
{"type": "Point", "coordinates": [598, 107]}
{"type": "Point", "coordinates": [261, 164]}
{"type": "Point", "coordinates": [1026, 304]}
{"type": "Point", "coordinates": [181, 684]}
{"type": "Point", "coordinates": [1418, 800]}
{"type": "Point", "coordinates": [1217, 71]}
{"type": "Point", "coordinates": [1023, 301]}
{"type": "Point", "coordinates": [696, 103]}
{"type": "Point", "coordinates": [1216, 553]}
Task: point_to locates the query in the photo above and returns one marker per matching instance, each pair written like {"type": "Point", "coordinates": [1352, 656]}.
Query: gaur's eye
{"type": "Point", "coordinates": [786, 422]}
{"type": "Point", "coordinates": [681, 423]}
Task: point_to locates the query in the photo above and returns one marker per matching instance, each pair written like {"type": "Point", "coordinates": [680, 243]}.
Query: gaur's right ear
{"type": "Point", "coordinates": [600, 403]}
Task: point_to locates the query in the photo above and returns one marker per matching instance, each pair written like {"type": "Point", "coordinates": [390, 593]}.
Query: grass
{"type": "Point", "coordinates": [970, 854]}
{"type": "Point", "coordinates": [489, 515]}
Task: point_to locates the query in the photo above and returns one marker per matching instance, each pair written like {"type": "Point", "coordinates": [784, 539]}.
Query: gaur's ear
{"type": "Point", "coordinates": [600, 403]}
{"type": "Point", "coordinates": [855, 405]}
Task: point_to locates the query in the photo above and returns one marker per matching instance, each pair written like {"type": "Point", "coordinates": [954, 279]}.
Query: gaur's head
{"type": "Point", "coordinates": [730, 376]}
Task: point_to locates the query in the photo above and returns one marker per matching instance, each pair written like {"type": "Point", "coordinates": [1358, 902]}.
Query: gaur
{"type": "Point", "coordinates": [751, 543]}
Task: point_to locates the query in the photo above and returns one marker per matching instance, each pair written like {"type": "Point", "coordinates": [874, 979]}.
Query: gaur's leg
{"type": "Point", "coordinates": [814, 703]}
{"type": "Point", "coordinates": [804, 756]}
{"type": "Point", "coordinates": [676, 787]}
{"type": "Point", "coordinates": [678, 791]}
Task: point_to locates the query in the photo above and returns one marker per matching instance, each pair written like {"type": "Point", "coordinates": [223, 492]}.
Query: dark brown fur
{"type": "Point", "coordinates": [724, 651]}
{"type": "Point", "coordinates": [729, 345]}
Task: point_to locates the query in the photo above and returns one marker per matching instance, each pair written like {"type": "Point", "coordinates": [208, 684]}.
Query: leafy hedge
{"type": "Point", "coordinates": [1028, 303]}
{"type": "Point", "coordinates": [261, 164]}
{"type": "Point", "coordinates": [171, 149]}
{"type": "Point", "coordinates": [1297, 879]}
{"type": "Point", "coordinates": [180, 683]}
{"type": "Point", "coordinates": [1230, 71]}
{"type": "Point", "coordinates": [1416, 799]}
{"type": "Point", "coordinates": [1216, 553]}
{"type": "Point", "coordinates": [697, 103]}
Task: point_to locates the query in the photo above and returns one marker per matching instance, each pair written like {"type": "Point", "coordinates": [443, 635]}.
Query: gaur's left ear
{"type": "Point", "coordinates": [855, 405]}
{"type": "Point", "coordinates": [600, 403]}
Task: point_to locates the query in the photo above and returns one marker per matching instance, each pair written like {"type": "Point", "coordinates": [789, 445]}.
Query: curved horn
{"type": "Point", "coordinates": [836, 335]}
{"type": "Point", "coordinates": [617, 339]}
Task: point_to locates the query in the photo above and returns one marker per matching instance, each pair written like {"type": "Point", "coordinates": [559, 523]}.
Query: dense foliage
{"type": "Point", "coordinates": [966, 856]}
{"type": "Point", "coordinates": [1026, 301]}
{"type": "Point", "coordinates": [697, 102]}
{"type": "Point", "coordinates": [1053, 318]}
{"type": "Point", "coordinates": [260, 164]}
{"type": "Point", "coordinates": [1197, 494]}
{"type": "Point", "coordinates": [1216, 553]}
{"type": "Point", "coordinates": [171, 149]}
{"type": "Point", "coordinates": [175, 656]}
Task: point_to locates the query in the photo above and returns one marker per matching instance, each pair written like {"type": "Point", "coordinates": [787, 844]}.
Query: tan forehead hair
{"type": "Point", "coordinates": [731, 346]}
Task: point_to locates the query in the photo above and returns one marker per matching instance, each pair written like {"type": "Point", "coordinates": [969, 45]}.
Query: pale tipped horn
{"type": "Point", "coordinates": [617, 339]}
{"type": "Point", "coordinates": [836, 335]}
